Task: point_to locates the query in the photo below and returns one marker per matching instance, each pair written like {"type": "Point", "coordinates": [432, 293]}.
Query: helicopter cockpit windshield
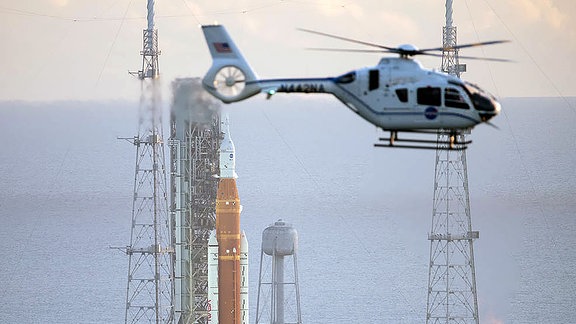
{"type": "Point", "coordinates": [483, 101]}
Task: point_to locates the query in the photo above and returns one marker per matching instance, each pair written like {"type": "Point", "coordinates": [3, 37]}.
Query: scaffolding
{"type": "Point", "coordinates": [452, 296]}
{"type": "Point", "coordinates": [194, 141]}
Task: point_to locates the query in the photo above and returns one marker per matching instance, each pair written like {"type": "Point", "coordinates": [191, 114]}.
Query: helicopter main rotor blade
{"type": "Point", "coordinates": [402, 51]}
{"type": "Point", "coordinates": [349, 50]}
{"type": "Point", "coordinates": [462, 46]}
{"type": "Point", "coordinates": [490, 124]}
{"type": "Point", "coordinates": [347, 39]}
{"type": "Point", "coordinates": [492, 59]}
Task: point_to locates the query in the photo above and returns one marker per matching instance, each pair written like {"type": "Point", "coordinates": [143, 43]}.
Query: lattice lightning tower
{"type": "Point", "coordinates": [452, 294]}
{"type": "Point", "coordinates": [149, 293]}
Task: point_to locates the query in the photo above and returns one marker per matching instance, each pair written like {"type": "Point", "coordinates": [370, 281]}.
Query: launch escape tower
{"type": "Point", "coordinates": [277, 295]}
{"type": "Point", "coordinates": [194, 141]}
{"type": "Point", "coordinates": [149, 292]}
{"type": "Point", "coordinates": [452, 294]}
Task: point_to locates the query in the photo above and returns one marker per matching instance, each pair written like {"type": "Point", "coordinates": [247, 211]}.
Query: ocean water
{"type": "Point", "coordinates": [362, 213]}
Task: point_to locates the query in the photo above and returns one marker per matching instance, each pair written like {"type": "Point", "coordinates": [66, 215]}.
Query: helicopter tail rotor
{"type": "Point", "coordinates": [230, 78]}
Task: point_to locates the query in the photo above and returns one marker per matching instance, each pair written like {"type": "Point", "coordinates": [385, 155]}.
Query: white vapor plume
{"type": "Point", "coordinates": [191, 103]}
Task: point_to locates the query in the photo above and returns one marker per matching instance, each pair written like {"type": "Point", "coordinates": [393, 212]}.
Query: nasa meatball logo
{"type": "Point", "coordinates": [431, 113]}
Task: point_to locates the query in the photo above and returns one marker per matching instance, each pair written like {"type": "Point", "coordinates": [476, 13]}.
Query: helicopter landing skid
{"type": "Point", "coordinates": [452, 144]}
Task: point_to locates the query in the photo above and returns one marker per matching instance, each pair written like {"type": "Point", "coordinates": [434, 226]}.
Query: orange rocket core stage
{"type": "Point", "coordinates": [228, 236]}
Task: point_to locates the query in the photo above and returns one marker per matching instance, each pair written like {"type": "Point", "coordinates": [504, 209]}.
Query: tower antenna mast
{"type": "Point", "coordinates": [150, 288]}
{"type": "Point", "coordinates": [452, 296]}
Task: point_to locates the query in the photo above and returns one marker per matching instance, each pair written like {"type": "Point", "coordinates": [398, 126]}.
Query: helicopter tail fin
{"type": "Point", "coordinates": [230, 78]}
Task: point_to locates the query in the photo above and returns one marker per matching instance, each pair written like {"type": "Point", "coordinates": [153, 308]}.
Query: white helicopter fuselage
{"type": "Point", "coordinates": [396, 94]}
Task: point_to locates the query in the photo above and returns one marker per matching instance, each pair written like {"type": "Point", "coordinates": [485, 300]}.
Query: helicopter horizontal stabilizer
{"type": "Point", "coordinates": [229, 78]}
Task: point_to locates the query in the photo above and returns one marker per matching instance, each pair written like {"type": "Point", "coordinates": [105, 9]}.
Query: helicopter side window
{"type": "Point", "coordinates": [429, 96]}
{"type": "Point", "coordinates": [373, 79]}
{"type": "Point", "coordinates": [452, 98]}
{"type": "Point", "coordinates": [402, 94]}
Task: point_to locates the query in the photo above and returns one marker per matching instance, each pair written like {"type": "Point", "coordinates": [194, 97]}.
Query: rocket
{"type": "Point", "coordinates": [227, 246]}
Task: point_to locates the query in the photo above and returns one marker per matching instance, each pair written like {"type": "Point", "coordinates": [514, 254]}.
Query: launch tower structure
{"type": "Point", "coordinates": [452, 294]}
{"type": "Point", "coordinates": [194, 142]}
{"type": "Point", "coordinates": [149, 293]}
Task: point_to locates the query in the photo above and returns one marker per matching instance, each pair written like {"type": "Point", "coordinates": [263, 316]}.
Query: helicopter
{"type": "Point", "coordinates": [396, 95]}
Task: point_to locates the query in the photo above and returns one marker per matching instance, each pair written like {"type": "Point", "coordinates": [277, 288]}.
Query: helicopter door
{"type": "Point", "coordinates": [429, 96]}
{"type": "Point", "coordinates": [431, 99]}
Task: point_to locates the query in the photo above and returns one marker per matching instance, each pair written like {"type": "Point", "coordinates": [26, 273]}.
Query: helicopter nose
{"type": "Point", "coordinates": [497, 107]}
{"type": "Point", "coordinates": [489, 110]}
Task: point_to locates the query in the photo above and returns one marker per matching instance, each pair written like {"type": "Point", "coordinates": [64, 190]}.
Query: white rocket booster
{"type": "Point", "coordinates": [244, 280]}
{"type": "Point", "coordinates": [212, 278]}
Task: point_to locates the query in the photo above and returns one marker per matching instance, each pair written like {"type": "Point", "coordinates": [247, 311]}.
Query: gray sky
{"type": "Point", "coordinates": [82, 49]}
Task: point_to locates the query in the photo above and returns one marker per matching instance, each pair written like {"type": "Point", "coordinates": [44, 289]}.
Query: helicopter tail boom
{"type": "Point", "coordinates": [230, 77]}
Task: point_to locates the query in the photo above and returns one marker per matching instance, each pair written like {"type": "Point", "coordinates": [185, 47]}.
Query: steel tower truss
{"type": "Point", "coordinates": [194, 162]}
{"type": "Point", "coordinates": [451, 279]}
{"type": "Point", "coordinates": [149, 293]}
{"type": "Point", "coordinates": [452, 296]}
{"type": "Point", "coordinates": [449, 55]}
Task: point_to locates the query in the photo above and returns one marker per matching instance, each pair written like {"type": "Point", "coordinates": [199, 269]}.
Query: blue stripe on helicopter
{"type": "Point", "coordinates": [383, 113]}
{"type": "Point", "coordinates": [399, 113]}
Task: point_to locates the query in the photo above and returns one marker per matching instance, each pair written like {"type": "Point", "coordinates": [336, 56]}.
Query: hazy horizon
{"type": "Point", "coordinates": [68, 185]}
{"type": "Point", "coordinates": [42, 59]}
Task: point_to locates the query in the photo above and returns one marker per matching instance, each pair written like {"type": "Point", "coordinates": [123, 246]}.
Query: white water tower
{"type": "Point", "coordinates": [278, 292]}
